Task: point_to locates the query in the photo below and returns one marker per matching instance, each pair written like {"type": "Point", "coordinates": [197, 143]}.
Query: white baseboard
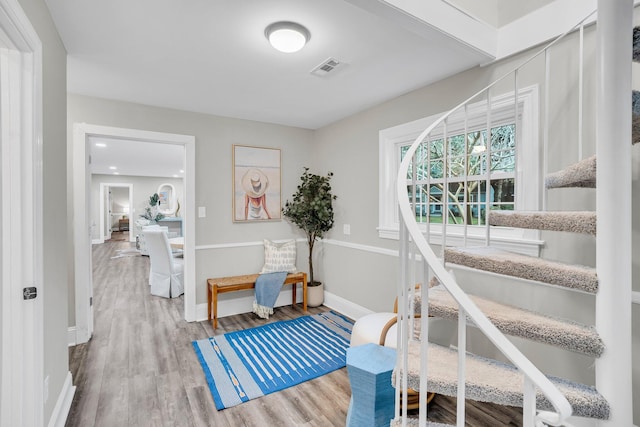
{"type": "Point", "coordinates": [63, 404]}
{"type": "Point", "coordinates": [201, 312]}
{"type": "Point", "coordinates": [71, 336]}
{"type": "Point", "coordinates": [344, 306]}
{"type": "Point", "coordinates": [97, 241]}
{"type": "Point", "coordinates": [77, 336]}
{"type": "Point", "coordinates": [230, 307]}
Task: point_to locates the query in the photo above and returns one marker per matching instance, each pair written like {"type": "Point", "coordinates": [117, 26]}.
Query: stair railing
{"type": "Point", "coordinates": [419, 263]}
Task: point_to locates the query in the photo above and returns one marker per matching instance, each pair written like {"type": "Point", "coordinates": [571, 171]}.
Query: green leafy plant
{"type": "Point", "coordinates": [312, 209]}
{"type": "Point", "coordinates": [151, 212]}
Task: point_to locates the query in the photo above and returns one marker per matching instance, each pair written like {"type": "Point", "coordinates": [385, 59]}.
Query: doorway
{"type": "Point", "coordinates": [116, 207]}
{"type": "Point", "coordinates": [83, 228]}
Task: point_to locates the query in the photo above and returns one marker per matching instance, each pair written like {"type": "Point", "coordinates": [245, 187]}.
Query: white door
{"type": "Point", "coordinates": [21, 337]}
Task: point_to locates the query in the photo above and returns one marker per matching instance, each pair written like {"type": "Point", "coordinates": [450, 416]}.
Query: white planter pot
{"type": "Point", "coordinates": [315, 295]}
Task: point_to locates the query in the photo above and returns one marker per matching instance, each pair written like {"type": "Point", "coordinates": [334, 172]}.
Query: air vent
{"type": "Point", "coordinates": [326, 67]}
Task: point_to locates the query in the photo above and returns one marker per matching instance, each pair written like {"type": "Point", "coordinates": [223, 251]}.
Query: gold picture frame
{"type": "Point", "coordinates": [257, 194]}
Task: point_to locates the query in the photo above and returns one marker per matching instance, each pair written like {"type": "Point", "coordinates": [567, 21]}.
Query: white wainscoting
{"type": "Point", "coordinates": [232, 306]}
{"type": "Point", "coordinates": [243, 244]}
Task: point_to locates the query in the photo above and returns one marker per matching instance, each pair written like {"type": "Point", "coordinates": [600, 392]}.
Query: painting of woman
{"type": "Point", "coordinates": [256, 184]}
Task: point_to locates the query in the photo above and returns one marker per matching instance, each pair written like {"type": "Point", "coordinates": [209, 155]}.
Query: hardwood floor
{"type": "Point", "coordinates": [139, 369]}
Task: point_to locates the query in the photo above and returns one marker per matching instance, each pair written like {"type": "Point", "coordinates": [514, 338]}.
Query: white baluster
{"type": "Point", "coordinates": [462, 351]}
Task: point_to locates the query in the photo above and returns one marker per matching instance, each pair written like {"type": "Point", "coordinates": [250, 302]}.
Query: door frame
{"type": "Point", "coordinates": [82, 132]}
{"type": "Point", "coordinates": [21, 221]}
{"type": "Point", "coordinates": [102, 209]}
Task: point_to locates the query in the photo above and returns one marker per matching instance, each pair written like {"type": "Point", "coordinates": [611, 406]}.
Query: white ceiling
{"type": "Point", "coordinates": [211, 56]}
{"type": "Point", "coordinates": [135, 158]}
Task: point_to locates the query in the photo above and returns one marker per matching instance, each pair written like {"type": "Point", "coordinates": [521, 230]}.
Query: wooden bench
{"type": "Point", "coordinates": [223, 285]}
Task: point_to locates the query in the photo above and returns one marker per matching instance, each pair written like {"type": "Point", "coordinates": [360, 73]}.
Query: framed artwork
{"type": "Point", "coordinates": [256, 184]}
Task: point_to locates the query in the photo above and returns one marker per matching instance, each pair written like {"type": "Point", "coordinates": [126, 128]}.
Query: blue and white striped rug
{"type": "Point", "coordinates": [246, 364]}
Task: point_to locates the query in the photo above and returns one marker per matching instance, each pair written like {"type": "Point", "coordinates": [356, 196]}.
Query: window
{"type": "Point", "coordinates": [466, 196]}
{"type": "Point", "coordinates": [465, 177]}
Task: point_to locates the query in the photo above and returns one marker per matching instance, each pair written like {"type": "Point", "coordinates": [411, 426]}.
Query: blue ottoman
{"type": "Point", "coordinates": [372, 396]}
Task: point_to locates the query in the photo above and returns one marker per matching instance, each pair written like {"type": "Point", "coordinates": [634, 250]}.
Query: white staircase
{"type": "Point", "coordinates": [546, 400]}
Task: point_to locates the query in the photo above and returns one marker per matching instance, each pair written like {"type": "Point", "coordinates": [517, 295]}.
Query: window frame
{"type": "Point", "coordinates": [527, 192]}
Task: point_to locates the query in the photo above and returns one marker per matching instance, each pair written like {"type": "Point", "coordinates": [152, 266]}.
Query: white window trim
{"type": "Point", "coordinates": [528, 194]}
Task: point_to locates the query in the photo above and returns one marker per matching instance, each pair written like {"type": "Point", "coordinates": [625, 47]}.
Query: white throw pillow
{"type": "Point", "coordinates": [279, 257]}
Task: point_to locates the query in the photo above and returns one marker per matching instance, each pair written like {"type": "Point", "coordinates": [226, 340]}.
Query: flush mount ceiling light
{"type": "Point", "coordinates": [287, 37]}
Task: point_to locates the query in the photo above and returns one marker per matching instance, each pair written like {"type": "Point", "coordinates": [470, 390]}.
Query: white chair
{"type": "Point", "coordinates": [166, 275]}
{"type": "Point", "coordinates": [141, 244]}
{"type": "Point", "coordinates": [377, 328]}
{"type": "Point", "coordinates": [382, 329]}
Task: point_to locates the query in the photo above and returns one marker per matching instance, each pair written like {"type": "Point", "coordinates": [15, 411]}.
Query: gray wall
{"type": "Point", "coordinates": [349, 148]}
{"type": "Point", "coordinates": [364, 275]}
{"type": "Point", "coordinates": [55, 199]}
{"type": "Point", "coordinates": [214, 139]}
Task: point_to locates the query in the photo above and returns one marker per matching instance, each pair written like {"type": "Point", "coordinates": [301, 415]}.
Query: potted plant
{"type": "Point", "coordinates": [151, 212]}
{"type": "Point", "coordinates": [312, 210]}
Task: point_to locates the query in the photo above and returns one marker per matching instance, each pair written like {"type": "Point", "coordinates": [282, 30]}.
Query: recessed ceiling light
{"type": "Point", "coordinates": [175, 176]}
{"type": "Point", "coordinates": [101, 144]}
{"type": "Point", "coordinates": [116, 173]}
{"type": "Point", "coordinates": [181, 171]}
{"type": "Point", "coordinates": [287, 37]}
{"type": "Point", "coordinates": [113, 168]}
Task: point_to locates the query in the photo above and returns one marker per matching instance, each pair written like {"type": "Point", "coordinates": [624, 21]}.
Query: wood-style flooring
{"type": "Point", "coordinates": [139, 369]}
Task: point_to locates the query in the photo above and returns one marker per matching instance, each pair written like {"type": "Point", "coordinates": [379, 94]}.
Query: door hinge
{"type": "Point", "coordinates": [90, 301]}
{"type": "Point", "coordinates": [29, 293]}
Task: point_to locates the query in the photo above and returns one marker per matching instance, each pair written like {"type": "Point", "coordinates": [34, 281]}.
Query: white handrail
{"type": "Point", "coordinates": [534, 378]}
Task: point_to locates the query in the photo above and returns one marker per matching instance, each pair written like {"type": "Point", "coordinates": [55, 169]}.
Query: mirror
{"type": "Point", "coordinates": [167, 199]}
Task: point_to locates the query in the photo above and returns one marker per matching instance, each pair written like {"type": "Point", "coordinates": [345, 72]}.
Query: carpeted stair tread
{"type": "Point", "coordinates": [581, 174]}
{"type": "Point", "coordinates": [571, 221]}
{"type": "Point", "coordinates": [492, 381]}
{"type": "Point", "coordinates": [412, 422]}
{"type": "Point", "coordinates": [523, 323]}
{"type": "Point", "coordinates": [512, 264]}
